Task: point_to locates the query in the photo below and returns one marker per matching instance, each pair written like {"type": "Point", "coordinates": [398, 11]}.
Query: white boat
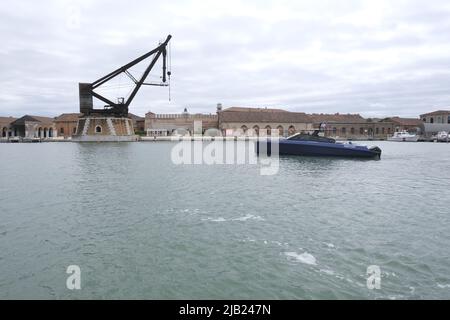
{"type": "Point", "coordinates": [404, 136]}
{"type": "Point", "coordinates": [443, 136]}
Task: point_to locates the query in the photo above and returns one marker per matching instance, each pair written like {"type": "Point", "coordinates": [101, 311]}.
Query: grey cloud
{"type": "Point", "coordinates": [231, 54]}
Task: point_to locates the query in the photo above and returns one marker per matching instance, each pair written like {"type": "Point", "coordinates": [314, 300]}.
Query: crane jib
{"type": "Point", "coordinates": [120, 109]}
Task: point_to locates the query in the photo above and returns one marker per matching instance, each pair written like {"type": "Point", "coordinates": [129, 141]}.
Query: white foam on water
{"type": "Point", "coordinates": [443, 286]}
{"type": "Point", "coordinates": [328, 272]}
{"type": "Point", "coordinates": [249, 217]}
{"type": "Point", "coordinates": [330, 245]}
{"type": "Point", "coordinates": [305, 257]}
{"type": "Point", "coordinates": [215, 219]}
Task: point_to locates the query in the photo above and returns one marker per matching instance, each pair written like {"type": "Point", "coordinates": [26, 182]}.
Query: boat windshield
{"type": "Point", "coordinates": [311, 137]}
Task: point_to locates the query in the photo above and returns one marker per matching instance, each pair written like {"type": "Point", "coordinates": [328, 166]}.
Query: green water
{"type": "Point", "coordinates": [141, 227]}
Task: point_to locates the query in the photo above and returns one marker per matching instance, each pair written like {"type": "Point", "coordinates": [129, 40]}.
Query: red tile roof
{"type": "Point", "coordinates": [246, 109]}
{"type": "Point", "coordinates": [68, 117]}
{"type": "Point", "coordinates": [7, 120]}
{"type": "Point", "coordinates": [337, 118]}
{"type": "Point", "coordinates": [236, 114]}
{"type": "Point", "coordinates": [434, 113]}
{"type": "Point", "coordinates": [21, 121]}
{"type": "Point", "coordinates": [406, 121]}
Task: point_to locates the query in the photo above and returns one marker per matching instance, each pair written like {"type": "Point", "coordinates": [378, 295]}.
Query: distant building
{"type": "Point", "coordinates": [138, 123]}
{"type": "Point", "coordinates": [413, 125]}
{"type": "Point", "coordinates": [440, 116]}
{"type": "Point", "coordinates": [255, 120]}
{"type": "Point", "coordinates": [238, 120]}
{"type": "Point", "coordinates": [29, 127]}
{"type": "Point", "coordinates": [435, 122]}
{"type": "Point", "coordinates": [66, 124]}
{"type": "Point", "coordinates": [353, 126]}
{"type": "Point", "coordinates": [341, 126]}
{"type": "Point", "coordinates": [168, 124]}
{"type": "Point", "coordinates": [5, 126]}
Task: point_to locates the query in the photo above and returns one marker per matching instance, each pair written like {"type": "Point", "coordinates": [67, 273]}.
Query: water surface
{"type": "Point", "coordinates": [142, 227]}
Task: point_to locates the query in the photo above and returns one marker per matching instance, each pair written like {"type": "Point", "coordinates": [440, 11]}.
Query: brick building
{"type": "Point", "coordinates": [6, 128]}
{"type": "Point", "coordinates": [413, 125]}
{"type": "Point", "coordinates": [255, 120]}
{"type": "Point", "coordinates": [353, 126]}
{"type": "Point", "coordinates": [66, 124]}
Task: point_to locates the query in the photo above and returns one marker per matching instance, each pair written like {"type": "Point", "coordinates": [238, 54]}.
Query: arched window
{"type": "Point", "coordinates": [280, 131]}
{"type": "Point", "coordinates": [98, 129]}
{"type": "Point", "coordinates": [431, 120]}
{"type": "Point", "coordinates": [50, 132]}
{"type": "Point", "coordinates": [352, 130]}
{"type": "Point", "coordinates": [256, 130]}
{"type": "Point", "coordinates": [291, 130]}
{"type": "Point", "coordinates": [4, 132]}
{"type": "Point", "coordinates": [268, 130]}
{"type": "Point", "coordinates": [45, 132]}
{"type": "Point", "coordinates": [74, 130]}
{"type": "Point", "coordinates": [61, 131]}
{"type": "Point", "coordinates": [244, 129]}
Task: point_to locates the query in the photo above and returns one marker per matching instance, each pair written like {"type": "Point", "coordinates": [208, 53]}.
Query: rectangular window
{"type": "Point", "coordinates": [448, 121]}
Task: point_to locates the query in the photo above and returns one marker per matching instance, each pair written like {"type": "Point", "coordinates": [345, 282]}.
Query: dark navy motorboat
{"type": "Point", "coordinates": [314, 145]}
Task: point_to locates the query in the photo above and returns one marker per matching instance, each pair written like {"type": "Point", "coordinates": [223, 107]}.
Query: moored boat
{"type": "Point", "coordinates": [315, 145]}
{"type": "Point", "coordinates": [443, 136]}
{"type": "Point", "coordinates": [404, 136]}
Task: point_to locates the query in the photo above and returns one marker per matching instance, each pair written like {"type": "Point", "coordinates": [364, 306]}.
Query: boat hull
{"type": "Point", "coordinates": [320, 149]}
{"type": "Point", "coordinates": [403, 139]}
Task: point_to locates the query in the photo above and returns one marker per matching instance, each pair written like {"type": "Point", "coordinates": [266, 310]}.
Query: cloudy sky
{"type": "Point", "coordinates": [376, 58]}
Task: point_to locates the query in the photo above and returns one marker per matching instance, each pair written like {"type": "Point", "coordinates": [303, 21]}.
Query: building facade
{"type": "Point", "coordinates": [66, 124]}
{"type": "Point", "coordinates": [254, 121]}
{"type": "Point", "coordinates": [29, 127]}
{"type": "Point", "coordinates": [138, 123]}
{"type": "Point", "coordinates": [440, 117]}
{"type": "Point", "coordinates": [5, 126]}
{"type": "Point", "coordinates": [435, 122]}
{"type": "Point", "coordinates": [169, 124]}
{"type": "Point", "coordinates": [411, 125]}
{"type": "Point", "coordinates": [353, 126]}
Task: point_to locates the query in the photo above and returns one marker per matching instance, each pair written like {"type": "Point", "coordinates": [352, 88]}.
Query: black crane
{"type": "Point", "coordinates": [120, 108]}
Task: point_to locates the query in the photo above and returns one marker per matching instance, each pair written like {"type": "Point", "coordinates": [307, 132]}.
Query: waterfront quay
{"type": "Point", "coordinates": [231, 123]}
